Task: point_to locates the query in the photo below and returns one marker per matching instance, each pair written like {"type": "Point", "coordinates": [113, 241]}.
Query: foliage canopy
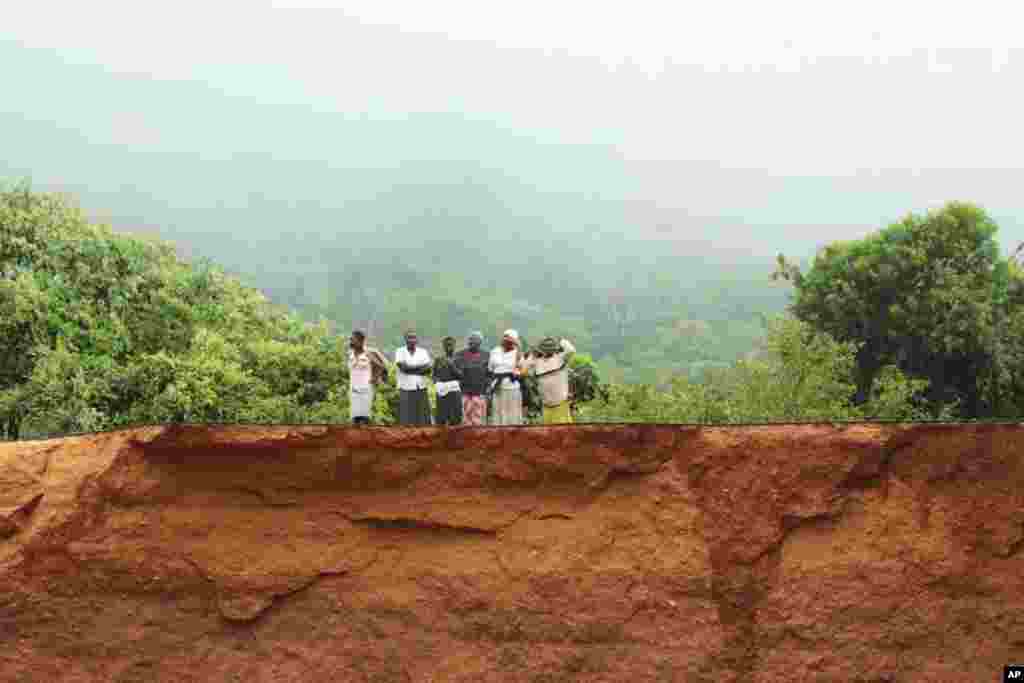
{"type": "Point", "coordinates": [930, 295]}
{"type": "Point", "coordinates": [100, 329]}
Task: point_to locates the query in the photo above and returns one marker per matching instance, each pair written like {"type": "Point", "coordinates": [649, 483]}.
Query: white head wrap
{"type": "Point", "coordinates": [512, 334]}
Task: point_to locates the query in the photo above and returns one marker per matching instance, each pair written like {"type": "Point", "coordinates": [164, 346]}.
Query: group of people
{"type": "Point", "coordinates": [468, 382]}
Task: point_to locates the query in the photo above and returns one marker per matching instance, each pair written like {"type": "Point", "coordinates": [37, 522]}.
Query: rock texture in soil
{"type": "Point", "coordinates": [580, 553]}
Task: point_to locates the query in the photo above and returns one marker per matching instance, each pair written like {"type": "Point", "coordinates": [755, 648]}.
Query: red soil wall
{"type": "Point", "coordinates": [613, 553]}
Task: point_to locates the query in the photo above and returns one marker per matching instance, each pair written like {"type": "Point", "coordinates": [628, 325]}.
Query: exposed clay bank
{"type": "Point", "coordinates": [612, 553]}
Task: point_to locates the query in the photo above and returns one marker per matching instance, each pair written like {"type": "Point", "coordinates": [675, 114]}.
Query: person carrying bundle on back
{"type": "Point", "coordinates": [550, 365]}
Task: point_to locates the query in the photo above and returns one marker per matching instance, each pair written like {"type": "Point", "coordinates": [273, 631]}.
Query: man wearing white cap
{"type": "Point", "coordinates": [507, 398]}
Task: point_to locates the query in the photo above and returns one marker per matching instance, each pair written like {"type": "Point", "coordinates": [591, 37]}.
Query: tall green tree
{"type": "Point", "coordinates": [920, 294]}
{"type": "Point", "coordinates": [100, 329]}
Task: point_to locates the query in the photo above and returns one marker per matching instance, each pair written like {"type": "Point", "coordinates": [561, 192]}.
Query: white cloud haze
{"type": "Point", "coordinates": [719, 109]}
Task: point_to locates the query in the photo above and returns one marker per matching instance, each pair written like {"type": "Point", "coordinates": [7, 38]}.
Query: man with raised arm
{"type": "Point", "coordinates": [550, 365]}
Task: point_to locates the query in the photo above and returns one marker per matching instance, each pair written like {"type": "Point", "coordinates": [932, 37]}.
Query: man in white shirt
{"type": "Point", "coordinates": [366, 368]}
{"type": "Point", "coordinates": [550, 365]}
{"type": "Point", "coordinates": [506, 396]}
{"type": "Point", "coordinates": [414, 364]}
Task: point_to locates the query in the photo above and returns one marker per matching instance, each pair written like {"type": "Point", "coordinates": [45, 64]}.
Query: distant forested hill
{"type": "Point", "coordinates": [440, 221]}
{"type": "Point", "coordinates": [641, 323]}
{"type": "Point", "coordinates": [446, 255]}
{"type": "Point", "coordinates": [644, 307]}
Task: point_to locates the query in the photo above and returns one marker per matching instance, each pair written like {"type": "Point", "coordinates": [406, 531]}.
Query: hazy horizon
{"type": "Point", "coordinates": [252, 123]}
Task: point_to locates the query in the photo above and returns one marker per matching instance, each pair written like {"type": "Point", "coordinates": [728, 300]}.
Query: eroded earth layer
{"type": "Point", "coordinates": [580, 553]}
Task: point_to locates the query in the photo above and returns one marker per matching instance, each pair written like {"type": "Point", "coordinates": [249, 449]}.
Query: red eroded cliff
{"type": "Point", "coordinates": [612, 553]}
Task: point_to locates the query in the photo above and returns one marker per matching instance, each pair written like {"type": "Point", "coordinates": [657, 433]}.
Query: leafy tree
{"type": "Point", "coordinates": [895, 396]}
{"type": "Point", "coordinates": [803, 374]}
{"type": "Point", "coordinates": [60, 395]}
{"type": "Point", "coordinates": [919, 295]}
{"type": "Point", "coordinates": [100, 329]}
{"type": "Point", "coordinates": [585, 384]}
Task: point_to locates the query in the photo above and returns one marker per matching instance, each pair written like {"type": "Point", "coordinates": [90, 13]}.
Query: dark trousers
{"type": "Point", "coordinates": [449, 408]}
{"type": "Point", "coordinates": [413, 407]}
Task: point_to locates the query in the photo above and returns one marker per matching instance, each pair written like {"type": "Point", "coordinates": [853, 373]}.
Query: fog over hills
{"type": "Point", "coordinates": [333, 159]}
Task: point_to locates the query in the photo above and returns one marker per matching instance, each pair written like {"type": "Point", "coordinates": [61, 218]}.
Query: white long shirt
{"type": "Point", "coordinates": [419, 358]}
{"type": "Point", "coordinates": [503, 361]}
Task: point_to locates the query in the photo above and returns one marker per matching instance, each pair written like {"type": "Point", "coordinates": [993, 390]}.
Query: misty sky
{"type": "Point", "coordinates": [747, 125]}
